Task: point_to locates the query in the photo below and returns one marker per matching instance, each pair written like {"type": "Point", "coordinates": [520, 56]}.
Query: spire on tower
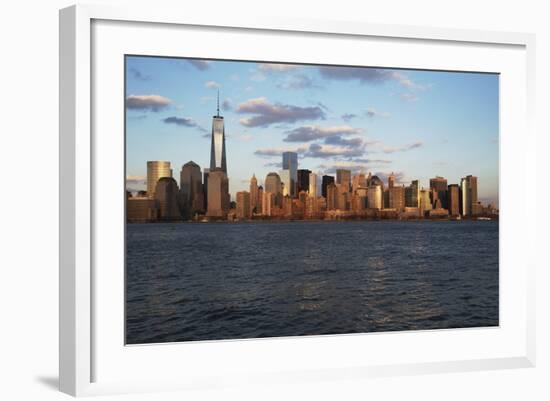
{"type": "Point", "coordinates": [218, 103]}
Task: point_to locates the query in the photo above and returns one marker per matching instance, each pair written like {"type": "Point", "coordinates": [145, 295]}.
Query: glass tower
{"type": "Point", "coordinates": [217, 149]}
{"type": "Point", "coordinates": [290, 163]}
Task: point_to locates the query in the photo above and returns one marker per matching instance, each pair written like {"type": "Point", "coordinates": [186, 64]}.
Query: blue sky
{"type": "Point", "coordinates": [417, 124]}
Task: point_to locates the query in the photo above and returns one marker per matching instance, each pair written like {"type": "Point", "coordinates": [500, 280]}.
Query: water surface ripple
{"type": "Point", "coordinates": [268, 279]}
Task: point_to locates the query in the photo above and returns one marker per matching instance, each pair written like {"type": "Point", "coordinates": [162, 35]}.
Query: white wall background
{"type": "Point", "coordinates": [29, 200]}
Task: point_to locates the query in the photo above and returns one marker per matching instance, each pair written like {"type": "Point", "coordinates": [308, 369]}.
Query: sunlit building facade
{"type": "Point", "coordinates": [243, 205]}
{"type": "Point", "coordinates": [217, 148]}
{"type": "Point", "coordinates": [155, 171]}
{"type": "Point", "coordinates": [313, 185]}
{"type": "Point", "coordinates": [290, 164]}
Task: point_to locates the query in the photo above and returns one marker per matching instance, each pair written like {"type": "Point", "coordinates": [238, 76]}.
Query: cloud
{"type": "Point", "coordinates": [408, 97]}
{"type": "Point", "coordinates": [399, 176]}
{"type": "Point", "coordinates": [414, 145]}
{"type": "Point", "coordinates": [212, 85]}
{"type": "Point", "coordinates": [138, 75]}
{"type": "Point", "coordinates": [338, 140]}
{"type": "Point", "coordinates": [355, 165]}
{"type": "Point", "coordinates": [245, 137]}
{"type": "Point", "coordinates": [375, 113]}
{"type": "Point", "coordinates": [200, 65]}
{"type": "Point", "coordinates": [227, 105]}
{"type": "Point", "coordinates": [153, 103]}
{"type": "Point", "coordinates": [348, 117]}
{"type": "Point", "coordinates": [330, 151]}
{"type": "Point", "coordinates": [274, 164]}
{"type": "Point", "coordinates": [135, 179]}
{"type": "Point", "coordinates": [313, 132]}
{"type": "Point", "coordinates": [266, 113]}
{"type": "Point", "coordinates": [299, 81]}
{"type": "Point", "coordinates": [372, 161]}
{"type": "Point", "coordinates": [270, 152]}
{"type": "Point", "coordinates": [184, 122]}
{"type": "Point", "coordinates": [269, 67]}
{"type": "Point", "coordinates": [367, 75]}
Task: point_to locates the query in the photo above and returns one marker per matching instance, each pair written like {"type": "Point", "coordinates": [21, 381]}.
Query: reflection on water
{"type": "Point", "coordinates": [248, 280]}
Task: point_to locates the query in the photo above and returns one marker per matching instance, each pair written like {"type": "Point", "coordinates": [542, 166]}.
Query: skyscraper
{"type": "Point", "coordinates": [412, 195]}
{"type": "Point", "coordinates": [254, 194]}
{"type": "Point", "coordinates": [453, 199]}
{"type": "Point", "coordinates": [303, 180]}
{"type": "Point", "coordinates": [217, 149]}
{"type": "Point", "coordinates": [374, 196]}
{"type": "Point", "coordinates": [468, 190]}
{"type": "Point", "coordinates": [326, 180]}
{"type": "Point", "coordinates": [343, 176]}
{"type": "Point", "coordinates": [286, 182]}
{"type": "Point", "coordinates": [396, 197]}
{"type": "Point", "coordinates": [358, 181]}
{"type": "Point", "coordinates": [313, 185]}
{"type": "Point", "coordinates": [155, 171]}
{"type": "Point", "coordinates": [218, 194]}
{"type": "Point", "coordinates": [391, 181]}
{"type": "Point", "coordinates": [438, 185]}
{"type": "Point", "coordinates": [273, 186]}
{"type": "Point", "coordinates": [191, 188]}
{"type": "Point", "coordinates": [166, 194]}
{"type": "Point", "coordinates": [290, 163]}
{"type": "Point", "coordinates": [243, 205]}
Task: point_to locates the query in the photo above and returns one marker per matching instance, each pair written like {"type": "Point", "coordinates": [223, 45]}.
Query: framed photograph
{"type": "Point", "coordinates": [278, 200]}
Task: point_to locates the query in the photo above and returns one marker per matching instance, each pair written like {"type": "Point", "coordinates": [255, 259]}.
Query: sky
{"type": "Point", "coordinates": [416, 124]}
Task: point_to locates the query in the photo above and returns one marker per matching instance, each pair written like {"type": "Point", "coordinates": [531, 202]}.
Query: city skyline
{"type": "Point", "coordinates": [327, 134]}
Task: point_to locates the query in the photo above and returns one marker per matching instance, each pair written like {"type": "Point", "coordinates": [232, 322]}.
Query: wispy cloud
{"type": "Point", "coordinates": [138, 74]}
{"type": "Point", "coordinates": [299, 81]}
{"type": "Point", "coordinates": [370, 112]}
{"type": "Point", "coordinates": [313, 132]}
{"type": "Point", "coordinates": [153, 103]}
{"type": "Point", "coordinates": [200, 65]}
{"type": "Point", "coordinates": [408, 97]}
{"type": "Point", "coordinates": [270, 152]}
{"type": "Point", "coordinates": [331, 151]}
{"type": "Point", "coordinates": [266, 113]}
{"type": "Point", "coordinates": [136, 179]}
{"type": "Point", "coordinates": [348, 117]}
{"type": "Point", "coordinates": [227, 105]}
{"type": "Point", "coordinates": [212, 85]}
{"type": "Point", "coordinates": [184, 122]}
{"type": "Point", "coordinates": [391, 149]}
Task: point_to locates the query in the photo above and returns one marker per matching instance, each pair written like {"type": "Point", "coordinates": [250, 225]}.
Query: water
{"type": "Point", "coordinates": [268, 279]}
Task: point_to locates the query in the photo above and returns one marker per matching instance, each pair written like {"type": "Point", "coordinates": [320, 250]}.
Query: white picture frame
{"type": "Point", "coordinates": [82, 343]}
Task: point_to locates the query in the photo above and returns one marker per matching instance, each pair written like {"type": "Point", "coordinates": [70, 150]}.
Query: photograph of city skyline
{"type": "Point", "coordinates": [268, 199]}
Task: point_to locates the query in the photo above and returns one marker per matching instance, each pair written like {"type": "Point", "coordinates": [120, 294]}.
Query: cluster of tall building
{"type": "Point", "coordinates": [293, 193]}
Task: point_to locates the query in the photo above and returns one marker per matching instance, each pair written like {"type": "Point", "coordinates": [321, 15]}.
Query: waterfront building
{"type": "Point", "coordinates": [273, 185]}
{"type": "Point", "coordinates": [332, 196]}
{"type": "Point", "coordinates": [396, 197]}
{"type": "Point", "coordinates": [260, 200]}
{"type": "Point", "coordinates": [192, 194]}
{"type": "Point", "coordinates": [453, 199]}
{"type": "Point", "coordinates": [166, 195]}
{"type": "Point", "coordinates": [290, 163]}
{"type": "Point", "coordinates": [342, 196]}
{"type": "Point", "coordinates": [313, 185]}
{"type": "Point", "coordinates": [218, 194]}
{"type": "Point", "coordinates": [425, 201]}
{"type": "Point", "coordinates": [374, 197]}
{"type": "Point", "coordinates": [468, 190]}
{"type": "Point", "coordinates": [358, 181]}
{"type": "Point", "coordinates": [243, 205]}
{"type": "Point", "coordinates": [288, 206]}
{"type": "Point", "coordinates": [268, 203]}
{"type": "Point", "coordinates": [155, 171]}
{"type": "Point", "coordinates": [412, 195]}
{"type": "Point", "coordinates": [205, 186]}
{"type": "Point", "coordinates": [303, 180]}
{"type": "Point", "coordinates": [217, 148]}
{"type": "Point", "coordinates": [343, 176]}
{"type": "Point", "coordinates": [325, 181]}
{"type": "Point", "coordinates": [253, 194]}
{"type": "Point", "coordinates": [286, 182]}
{"type": "Point", "coordinates": [391, 181]}
{"type": "Point", "coordinates": [438, 185]}
{"type": "Point", "coordinates": [141, 209]}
